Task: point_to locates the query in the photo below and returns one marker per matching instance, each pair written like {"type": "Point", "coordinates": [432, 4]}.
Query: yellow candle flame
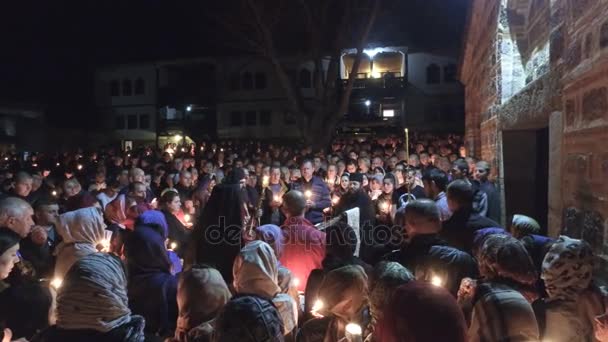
{"type": "Point", "coordinates": [308, 194]}
{"type": "Point", "coordinates": [437, 281]}
{"type": "Point", "coordinates": [79, 166]}
{"type": "Point", "coordinates": [54, 193]}
{"type": "Point", "coordinates": [384, 206]}
{"type": "Point", "coordinates": [353, 329]}
{"type": "Point", "coordinates": [187, 218]}
{"type": "Point", "coordinates": [318, 305]}
{"type": "Point", "coordinates": [173, 245]}
{"type": "Point", "coordinates": [335, 200]}
{"type": "Point", "coordinates": [265, 181]}
{"type": "Point", "coordinates": [56, 283]}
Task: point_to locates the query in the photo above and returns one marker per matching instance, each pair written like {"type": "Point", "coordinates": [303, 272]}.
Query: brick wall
{"type": "Point", "coordinates": [573, 88]}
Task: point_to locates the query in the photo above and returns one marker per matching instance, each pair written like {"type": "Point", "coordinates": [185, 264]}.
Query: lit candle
{"type": "Point", "coordinates": [6, 158]}
{"type": "Point", "coordinates": [105, 245]}
{"type": "Point", "coordinates": [187, 218]}
{"type": "Point", "coordinates": [353, 332]}
{"type": "Point", "coordinates": [308, 194]}
{"type": "Point", "coordinates": [318, 305]}
{"type": "Point", "coordinates": [172, 246]}
{"type": "Point", "coordinates": [265, 181]}
{"type": "Point", "coordinates": [384, 206]}
{"type": "Point", "coordinates": [437, 281]}
{"type": "Point", "coordinates": [56, 283]}
{"type": "Point", "coordinates": [277, 199]}
{"type": "Point", "coordinates": [35, 165]}
{"type": "Point", "coordinates": [58, 164]}
{"type": "Point", "coordinates": [296, 282]}
{"type": "Point", "coordinates": [79, 166]}
{"type": "Point", "coordinates": [221, 150]}
{"type": "Point", "coordinates": [202, 148]}
{"type": "Point", "coordinates": [335, 200]}
{"type": "Point", "coordinates": [54, 193]}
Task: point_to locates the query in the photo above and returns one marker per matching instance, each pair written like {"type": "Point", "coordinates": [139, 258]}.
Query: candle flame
{"type": "Point", "coordinates": [105, 244]}
{"type": "Point", "coordinates": [318, 305]}
{"type": "Point", "coordinates": [353, 329]}
{"type": "Point", "coordinates": [54, 193]}
{"type": "Point", "coordinates": [187, 218]}
{"type": "Point", "coordinates": [79, 166]}
{"type": "Point", "coordinates": [56, 283]}
{"type": "Point", "coordinates": [384, 206]}
{"type": "Point", "coordinates": [296, 282]}
{"type": "Point", "coordinates": [335, 200]}
{"type": "Point", "coordinates": [308, 194]}
{"type": "Point", "coordinates": [437, 281]}
{"type": "Point", "coordinates": [173, 245]}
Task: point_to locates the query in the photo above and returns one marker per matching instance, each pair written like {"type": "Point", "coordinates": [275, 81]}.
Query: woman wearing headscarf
{"type": "Point", "coordinates": [201, 294]}
{"type": "Point", "coordinates": [500, 301]}
{"type": "Point", "coordinates": [273, 236]}
{"type": "Point", "coordinates": [256, 272]}
{"type": "Point", "coordinates": [177, 233]}
{"type": "Point", "coordinates": [420, 312]}
{"type": "Point", "coordinates": [152, 287]}
{"type": "Point", "coordinates": [216, 239]}
{"type": "Point", "coordinates": [92, 304]}
{"type": "Point", "coordinates": [82, 232]}
{"type": "Point", "coordinates": [385, 278]}
{"type": "Point", "coordinates": [573, 301]}
{"type": "Point", "coordinates": [344, 298]}
{"type": "Point", "coordinates": [249, 318]}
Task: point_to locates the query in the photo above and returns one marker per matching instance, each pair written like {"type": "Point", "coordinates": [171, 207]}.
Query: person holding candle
{"type": "Point", "coordinates": [423, 252]}
{"type": "Point", "coordinates": [273, 194]}
{"type": "Point", "coordinates": [170, 204]}
{"type": "Point", "coordinates": [319, 192]}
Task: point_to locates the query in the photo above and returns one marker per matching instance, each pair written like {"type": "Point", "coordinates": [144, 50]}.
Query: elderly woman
{"type": "Point", "coordinates": [92, 304]}
{"type": "Point", "coordinates": [256, 272]}
{"type": "Point", "coordinates": [273, 236]}
{"type": "Point", "coordinates": [500, 302]}
{"type": "Point", "coordinates": [341, 299]}
{"type": "Point", "coordinates": [573, 300]}
{"type": "Point", "coordinates": [82, 232]}
{"type": "Point", "coordinates": [201, 294]}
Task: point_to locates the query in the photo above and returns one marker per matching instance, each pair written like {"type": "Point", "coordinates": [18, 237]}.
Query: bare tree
{"type": "Point", "coordinates": [327, 26]}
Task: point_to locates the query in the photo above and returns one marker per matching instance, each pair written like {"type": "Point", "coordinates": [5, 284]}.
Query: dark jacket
{"type": "Point", "coordinates": [320, 197]}
{"type": "Point", "coordinates": [460, 229]}
{"type": "Point", "coordinates": [494, 208]}
{"type": "Point", "coordinates": [129, 332]}
{"type": "Point", "coordinates": [41, 256]}
{"type": "Point", "coordinates": [367, 221]}
{"type": "Point", "coordinates": [428, 256]}
{"type": "Point", "coordinates": [177, 233]}
{"type": "Point", "coordinates": [272, 215]}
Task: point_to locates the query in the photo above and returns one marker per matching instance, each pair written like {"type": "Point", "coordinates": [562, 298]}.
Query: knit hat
{"type": "Point", "coordinates": [249, 319]}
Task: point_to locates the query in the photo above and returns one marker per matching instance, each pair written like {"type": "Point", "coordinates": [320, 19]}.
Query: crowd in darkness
{"type": "Point", "coordinates": [370, 239]}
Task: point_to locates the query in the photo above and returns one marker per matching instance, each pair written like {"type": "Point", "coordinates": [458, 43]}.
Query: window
{"type": "Point", "coordinates": [126, 88]}
{"type": "Point", "coordinates": [236, 119]}
{"type": "Point", "coordinates": [132, 121]}
{"type": "Point", "coordinates": [305, 79]}
{"type": "Point", "coordinates": [144, 121]}
{"type": "Point", "coordinates": [433, 74]}
{"type": "Point", "coordinates": [260, 80]}
{"type": "Point", "coordinates": [119, 121]}
{"type": "Point", "coordinates": [235, 81]}
{"type": "Point", "coordinates": [250, 118]}
{"type": "Point", "coordinates": [265, 118]}
{"type": "Point", "coordinates": [114, 88]}
{"type": "Point", "coordinates": [449, 73]}
{"type": "Point", "coordinates": [388, 113]}
{"type": "Point", "coordinates": [140, 87]}
{"type": "Point", "coordinates": [289, 119]}
{"type": "Point", "coordinates": [247, 81]}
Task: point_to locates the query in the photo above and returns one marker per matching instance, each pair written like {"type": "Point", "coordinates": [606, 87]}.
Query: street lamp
{"type": "Point", "coordinates": [189, 108]}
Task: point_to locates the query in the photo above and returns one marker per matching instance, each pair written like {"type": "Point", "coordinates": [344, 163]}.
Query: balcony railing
{"type": "Point", "coordinates": [386, 82]}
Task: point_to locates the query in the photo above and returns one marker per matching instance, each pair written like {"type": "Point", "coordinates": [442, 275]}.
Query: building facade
{"type": "Point", "coordinates": [537, 108]}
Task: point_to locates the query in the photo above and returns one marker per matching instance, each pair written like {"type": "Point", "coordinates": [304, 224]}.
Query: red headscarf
{"type": "Point", "coordinates": [419, 312]}
{"type": "Point", "coordinates": [123, 211]}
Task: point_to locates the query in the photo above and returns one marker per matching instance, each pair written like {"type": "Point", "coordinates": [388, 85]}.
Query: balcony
{"type": "Point", "coordinates": [385, 81]}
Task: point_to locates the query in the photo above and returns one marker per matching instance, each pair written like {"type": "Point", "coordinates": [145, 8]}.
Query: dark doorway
{"type": "Point", "coordinates": [526, 170]}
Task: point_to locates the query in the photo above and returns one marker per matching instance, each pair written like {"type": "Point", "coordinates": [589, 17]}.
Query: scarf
{"type": "Point", "coordinates": [94, 295]}
{"type": "Point", "coordinates": [201, 294]}
{"type": "Point", "coordinates": [272, 235]}
{"type": "Point", "coordinates": [155, 218]}
{"type": "Point", "coordinates": [567, 269]}
{"type": "Point", "coordinates": [344, 292]}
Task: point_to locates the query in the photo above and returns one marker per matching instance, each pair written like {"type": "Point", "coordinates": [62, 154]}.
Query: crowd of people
{"type": "Point", "coordinates": [370, 239]}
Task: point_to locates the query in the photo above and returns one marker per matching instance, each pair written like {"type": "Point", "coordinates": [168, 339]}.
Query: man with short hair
{"type": "Point", "coordinates": [22, 185]}
{"type": "Point", "coordinates": [39, 246]}
{"type": "Point", "coordinates": [424, 253]}
{"type": "Point", "coordinates": [460, 229]}
{"type": "Point", "coordinates": [315, 190]}
{"type": "Point", "coordinates": [16, 215]}
{"type": "Point", "coordinates": [460, 170]}
{"type": "Point", "coordinates": [435, 182]}
{"type": "Point", "coordinates": [414, 160]}
{"type": "Point", "coordinates": [482, 172]}
{"type": "Point", "coordinates": [272, 198]}
{"type": "Point", "coordinates": [304, 245]}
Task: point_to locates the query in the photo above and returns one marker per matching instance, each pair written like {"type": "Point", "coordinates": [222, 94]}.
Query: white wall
{"type": "Point", "coordinates": [416, 68]}
{"type": "Point", "coordinates": [147, 72]}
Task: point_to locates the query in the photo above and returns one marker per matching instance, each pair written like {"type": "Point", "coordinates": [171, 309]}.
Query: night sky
{"type": "Point", "coordinates": [50, 49]}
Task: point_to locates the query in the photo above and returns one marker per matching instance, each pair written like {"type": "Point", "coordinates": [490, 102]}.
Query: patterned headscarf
{"type": "Point", "coordinates": [385, 279]}
{"type": "Point", "coordinates": [249, 319]}
{"type": "Point", "coordinates": [344, 292]}
{"type": "Point", "coordinates": [201, 294]}
{"type": "Point", "coordinates": [94, 296]}
{"type": "Point", "coordinates": [504, 257]}
{"type": "Point", "coordinates": [567, 268]}
{"type": "Point", "coordinates": [522, 225]}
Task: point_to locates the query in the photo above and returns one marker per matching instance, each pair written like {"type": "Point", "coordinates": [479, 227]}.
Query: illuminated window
{"type": "Point", "coordinates": [388, 113]}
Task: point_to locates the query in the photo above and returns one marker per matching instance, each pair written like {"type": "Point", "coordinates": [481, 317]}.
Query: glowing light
{"type": "Point", "coordinates": [308, 194]}
{"type": "Point", "coordinates": [177, 137]}
{"type": "Point", "coordinates": [58, 164]}
{"type": "Point", "coordinates": [189, 108]}
{"type": "Point", "coordinates": [265, 181]}
{"type": "Point", "coordinates": [437, 281]}
{"type": "Point", "coordinates": [172, 245]}
{"type": "Point", "coordinates": [278, 199]}
{"type": "Point", "coordinates": [221, 150]}
{"type": "Point", "coordinates": [296, 282]}
{"type": "Point", "coordinates": [376, 74]}
{"type": "Point", "coordinates": [35, 165]}
{"type": "Point", "coordinates": [368, 103]}
{"type": "Point", "coordinates": [202, 148]}
{"type": "Point", "coordinates": [335, 200]}
{"type": "Point", "coordinates": [79, 167]}
{"type": "Point", "coordinates": [187, 217]}
{"type": "Point", "coordinates": [384, 206]}
{"type": "Point", "coordinates": [154, 200]}
{"type": "Point", "coordinates": [353, 329]}
{"type": "Point", "coordinates": [388, 113]}
{"type": "Point", "coordinates": [105, 245]}
{"type": "Point", "coordinates": [372, 52]}
{"type": "Point", "coordinates": [6, 158]}
{"type": "Point", "coordinates": [128, 154]}
{"type": "Point", "coordinates": [56, 283]}
{"type": "Point", "coordinates": [317, 306]}
{"type": "Point", "coordinates": [183, 149]}
{"type": "Point", "coordinates": [54, 192]}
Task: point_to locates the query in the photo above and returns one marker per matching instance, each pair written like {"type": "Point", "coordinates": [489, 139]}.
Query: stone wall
{"type": "Point", "coordinates": [563, 47]}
